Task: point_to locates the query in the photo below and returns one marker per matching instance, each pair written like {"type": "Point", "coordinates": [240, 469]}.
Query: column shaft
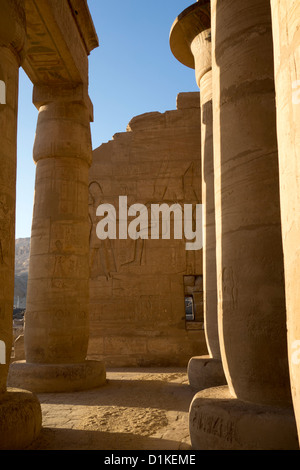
{"type": "Point", "coordinates": [190, 42]}
{"type": "Point", "coordinates": [57, 314]}
{"type": "Point", "coordinates": [20, 411]}
{"type": "Point", "coordinates": [201, 49]}
{"type": "Point", "coordinates": [249, 245]}
{"type": "Point", "coordinates": [12, 41]}
{"type": "Point", "coordinates": [209, 227]}
{"type": "Point", "coordinates": [8, 150]}
{"type": "Point", "coordinates": [286, 34]}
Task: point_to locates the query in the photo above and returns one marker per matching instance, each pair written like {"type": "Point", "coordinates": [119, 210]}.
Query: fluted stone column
{"type": "Point", "coordinates": [255, 411]}
{"type": "Point", "coordinates": [286, 38]}
{"type": "Point", "coordinates": [57, 313]}
{"type": "Point", "coordinates": [20, 411]}
{"type": "Point", "coordinates": [190, 42]}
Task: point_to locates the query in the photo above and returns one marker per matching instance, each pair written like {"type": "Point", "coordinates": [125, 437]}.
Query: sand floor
{"type": "Point", "coordinates": [138, 409]}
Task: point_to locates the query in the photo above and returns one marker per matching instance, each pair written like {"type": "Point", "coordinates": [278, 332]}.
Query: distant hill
{"type": "Point", "coordinates": [21, 271]}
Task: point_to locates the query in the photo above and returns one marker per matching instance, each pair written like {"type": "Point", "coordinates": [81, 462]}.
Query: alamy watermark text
{"type": "Point", "coordinates": [187, 222]}
{"type": "Point", "coordinates": [2, 92]}
{"type": "Point", "coordinates": [2, 353]}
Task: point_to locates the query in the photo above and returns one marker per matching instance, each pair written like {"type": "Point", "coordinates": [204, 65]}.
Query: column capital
{"type": "Point", "coordinates": [63, 128]}
{"type": "Point", "coordinates": [201, 49]}
{"type": "Point", "coordinates": [13, 27]}
{"type": "Point", "coordinates": [71, 92]}
{"type": "Point", "coordinates": [189, 24]}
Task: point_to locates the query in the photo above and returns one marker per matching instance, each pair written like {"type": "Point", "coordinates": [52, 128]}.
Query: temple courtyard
{"type": "Point", "coordinates": [137, 409]}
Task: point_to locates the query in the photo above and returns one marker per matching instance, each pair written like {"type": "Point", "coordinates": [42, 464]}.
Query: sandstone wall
{"type": "Point", "coordinates": [138, 288]}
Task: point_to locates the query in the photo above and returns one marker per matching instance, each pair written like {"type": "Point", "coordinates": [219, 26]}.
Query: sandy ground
{"type": "Point", "coordinates": [138, 409]}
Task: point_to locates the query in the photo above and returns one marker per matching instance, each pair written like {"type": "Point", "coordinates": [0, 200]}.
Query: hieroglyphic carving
{"type": "Point", "coordinates": [189, 184]}
{"type": "Point", "coordinates": [102, 252]}
{"type": "Point", "coordinates": [186, 188]}
{"type": "Point", "coordinates": [42, 52]}
{"type": "Point", "coordinates": [137, 247]}
{"type": "Point", "coordinates": [58, 269]}
{"type": "Point", "coordinates": [107, 256]}
{"type": "Point", "coordinates": [229, 289]}
{"type": "Point", "coordinates": [1, 253]}
{"type": "Point", "coordinates": [6, 221]}
{"type": "Point", "coordinates": [214, 425]}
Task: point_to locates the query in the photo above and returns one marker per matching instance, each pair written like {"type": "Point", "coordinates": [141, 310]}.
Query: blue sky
{"type": "Point", "coordinates": [131, 73]}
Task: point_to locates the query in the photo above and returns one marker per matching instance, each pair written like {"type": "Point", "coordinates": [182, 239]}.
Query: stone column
{"type": "Point", "coordinates": [57, 313]}
{"type": "Point", "coordinates": [20, 412]}
{"type": "Point", "coordinates": [286, 38]}
{"type": "Point", "coordinates": [190, 42]}
{"type": "Point", "coordinates": [255, 411]}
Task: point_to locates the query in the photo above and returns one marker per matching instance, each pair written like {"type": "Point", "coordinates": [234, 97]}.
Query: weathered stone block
{"type": "Point", "coordinates": [188, 100]}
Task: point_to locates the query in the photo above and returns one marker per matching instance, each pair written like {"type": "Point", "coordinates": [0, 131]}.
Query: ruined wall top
{"type": "Point", "coordinates": [156, 120]}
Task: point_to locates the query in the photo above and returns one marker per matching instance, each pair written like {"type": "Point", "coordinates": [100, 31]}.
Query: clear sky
{"type": "Point", "coordinates": [132, 72]}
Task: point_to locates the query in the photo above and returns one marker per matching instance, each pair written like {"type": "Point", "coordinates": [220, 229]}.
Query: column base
{"type": "Point", "coordinates": [205, 372]}
{"type": "Point", "coordinates": [57, 378]}
{"type": "Point", "coordinates": [20, 419]}
{"type": "Point", "coordinates": [220, 422]}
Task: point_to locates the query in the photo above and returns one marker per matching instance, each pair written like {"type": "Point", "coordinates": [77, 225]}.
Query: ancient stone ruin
{"type": "Point", "coordinates": [228, 309]}
{"type": "Point", "coordinates": [138, 287]}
